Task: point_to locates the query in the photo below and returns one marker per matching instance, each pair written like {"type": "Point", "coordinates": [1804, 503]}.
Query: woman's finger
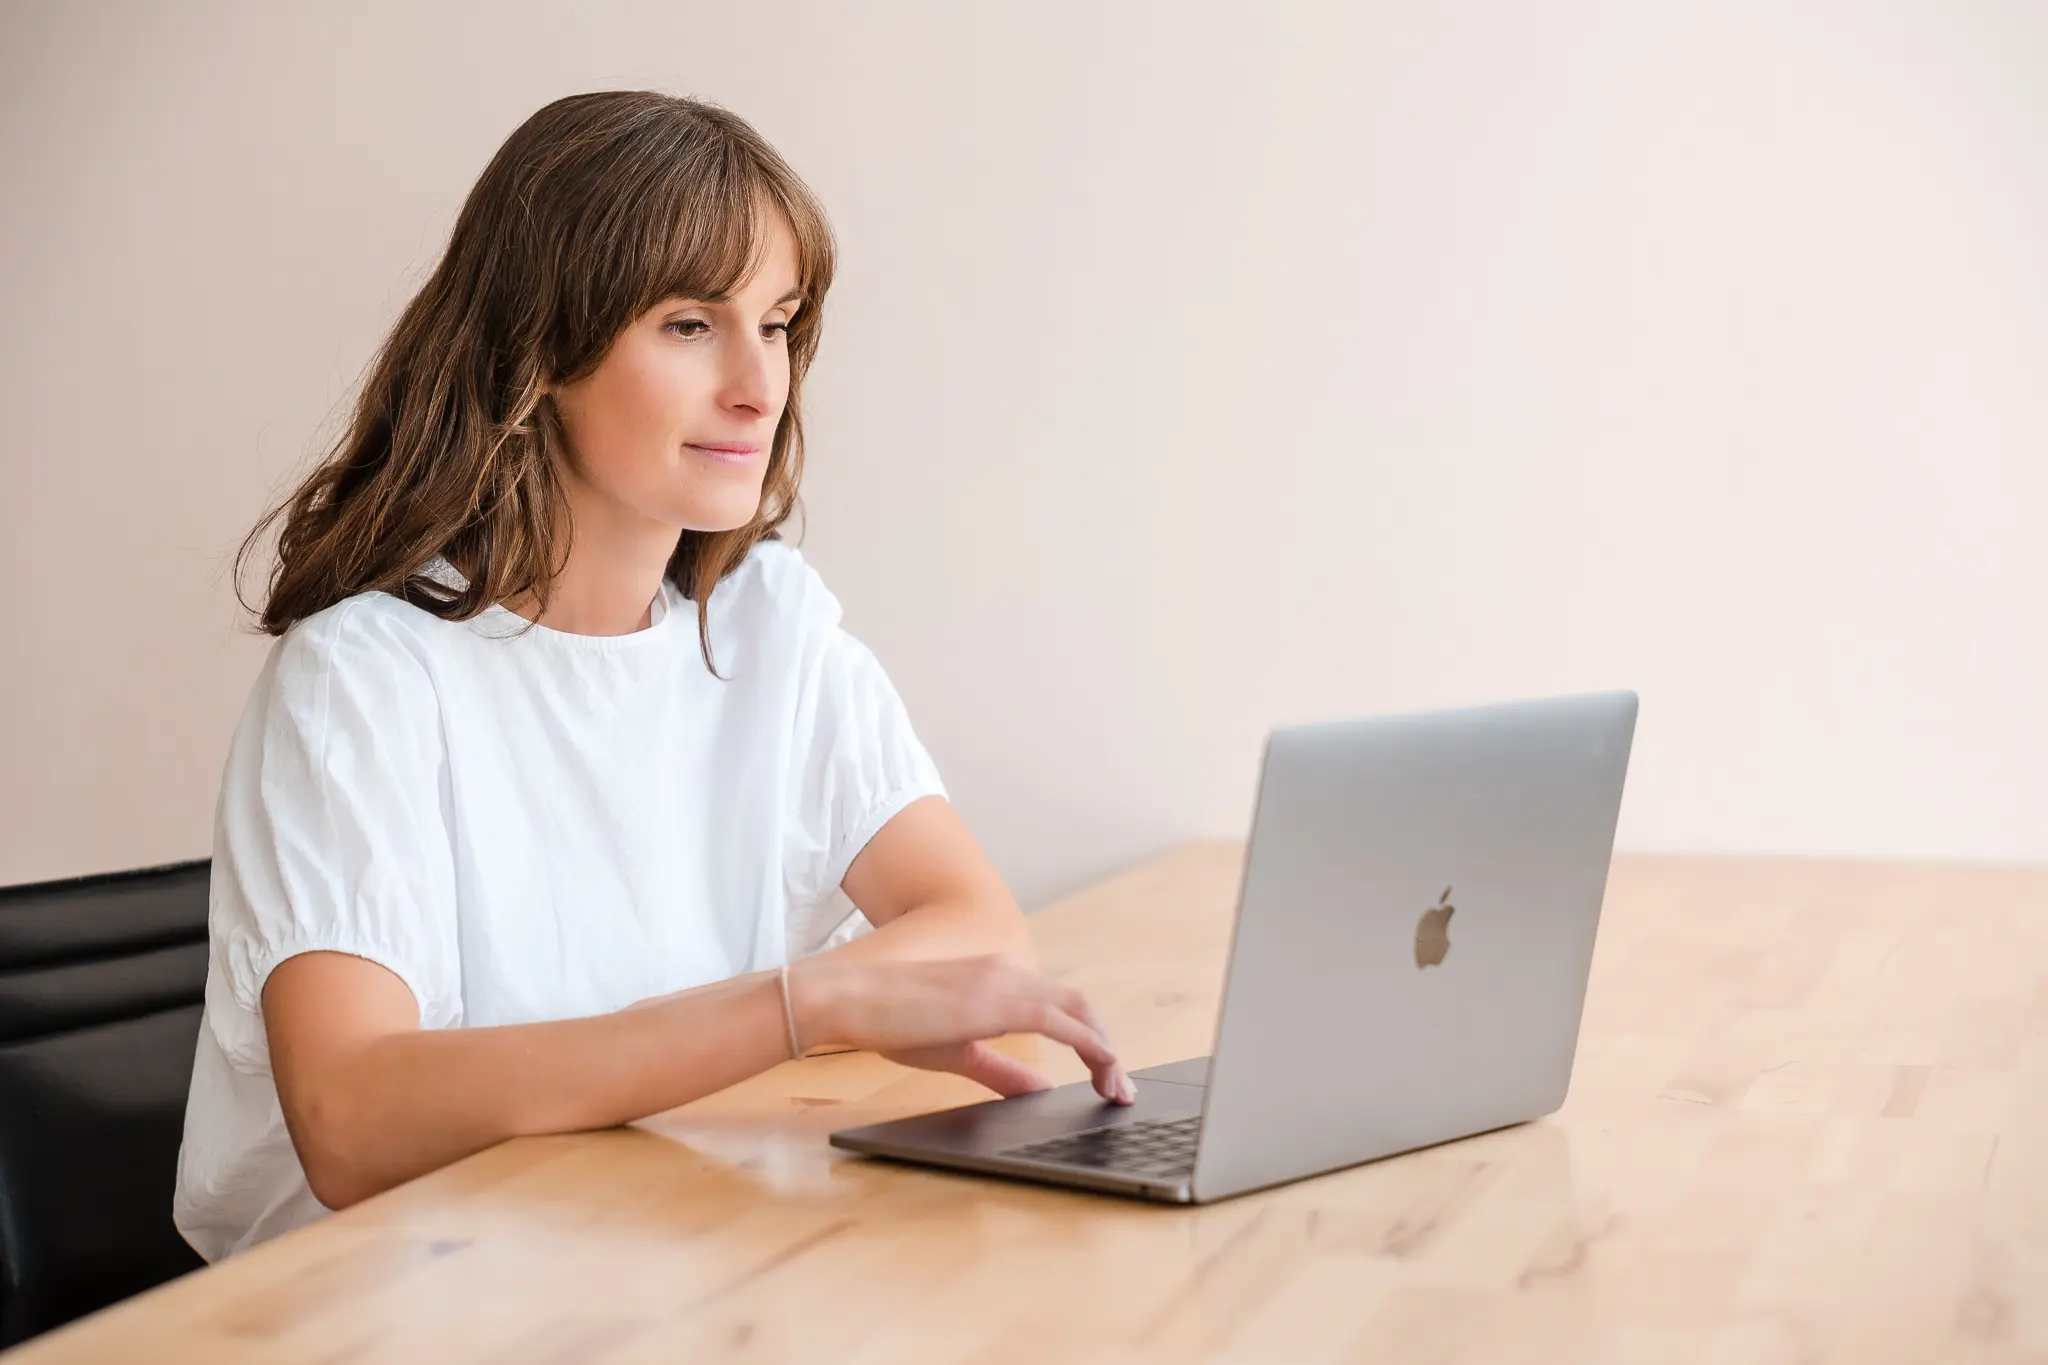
{"type": "Point", "coordinates": [978, 1062]}
{"type": "Point", "coordinates": [1112, 1084]}
{"type": "Point", "coordinates": [1065, 1016]}
{"type": "Point", "coordinates": [999, 1072]}
{"type": "Point", "coordinates": [1056, 1024]}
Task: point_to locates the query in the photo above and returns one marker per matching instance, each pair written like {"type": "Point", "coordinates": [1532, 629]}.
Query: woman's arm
{"type": "Point", "coordinates": [371, 1099]}
{"type": "Point", "coordinates": [926, 885]}
{"type": "Point", "coordinates": [924, 881]}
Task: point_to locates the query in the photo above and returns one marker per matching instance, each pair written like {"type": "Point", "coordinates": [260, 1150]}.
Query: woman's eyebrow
{"type": "Point", "coordinates": [793, 296]}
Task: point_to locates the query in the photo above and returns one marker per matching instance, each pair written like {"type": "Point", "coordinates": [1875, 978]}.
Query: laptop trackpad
{"type": "Point", "coordinates": [1193, 1071]}
{"type": "Point", "coordinates": [992, 1125]}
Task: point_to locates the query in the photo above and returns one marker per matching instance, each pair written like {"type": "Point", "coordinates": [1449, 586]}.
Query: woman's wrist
{"type": "Point", "coordinates": [812, 1003]}
{"type": "Point", "coordinates": [796, 1047]}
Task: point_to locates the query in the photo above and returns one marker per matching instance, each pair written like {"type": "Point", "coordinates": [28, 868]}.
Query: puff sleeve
{"type": "Point", "coordinates": [856, 762]}
{"type": "Point", "coordinates": [331, 832]}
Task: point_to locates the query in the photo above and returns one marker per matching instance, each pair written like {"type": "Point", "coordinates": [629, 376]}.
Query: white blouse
{"type": "Point", "coordinates": [524, 824]}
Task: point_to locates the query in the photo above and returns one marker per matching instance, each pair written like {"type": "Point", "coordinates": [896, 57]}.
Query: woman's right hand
{"type": "Point", "coordinates": [938, 1014]}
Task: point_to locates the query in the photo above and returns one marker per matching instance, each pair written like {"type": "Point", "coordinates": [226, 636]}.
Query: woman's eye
{"type": "Point", "coordinates": [681, 323]}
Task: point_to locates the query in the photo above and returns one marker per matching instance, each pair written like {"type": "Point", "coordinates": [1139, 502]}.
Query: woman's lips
{"type": "Point", "coordinates": [725, 454]}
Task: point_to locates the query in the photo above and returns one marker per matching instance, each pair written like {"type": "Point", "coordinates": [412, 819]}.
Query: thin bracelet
{"type": "Point", "coordinates": [788, 1014]}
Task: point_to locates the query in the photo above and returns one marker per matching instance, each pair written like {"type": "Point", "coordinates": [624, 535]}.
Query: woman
{"type": "Point", "coordinates": [505, 847]}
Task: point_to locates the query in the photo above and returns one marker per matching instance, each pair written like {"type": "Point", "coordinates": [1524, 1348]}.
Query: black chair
{"type": "Point", "coordinates": [101, 983]}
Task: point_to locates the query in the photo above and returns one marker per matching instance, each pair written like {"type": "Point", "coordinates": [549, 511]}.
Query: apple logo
{"type": "Point", "coordinates": [1432, 931]}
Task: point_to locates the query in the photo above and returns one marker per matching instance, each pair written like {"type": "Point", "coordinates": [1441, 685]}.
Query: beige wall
{"type": "Point", "coordinates": [1194, 367]}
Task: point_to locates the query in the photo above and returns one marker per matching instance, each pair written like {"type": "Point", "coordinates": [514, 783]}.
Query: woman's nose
{"type": "Point", "coordinates": [749, 377]}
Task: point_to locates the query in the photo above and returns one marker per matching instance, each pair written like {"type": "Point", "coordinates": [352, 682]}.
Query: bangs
{"type": "Point", "coordinates": [720, 213]}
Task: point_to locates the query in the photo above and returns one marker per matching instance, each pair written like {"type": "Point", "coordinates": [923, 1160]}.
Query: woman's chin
{"type": "Point", "coordinates": [709, 515]}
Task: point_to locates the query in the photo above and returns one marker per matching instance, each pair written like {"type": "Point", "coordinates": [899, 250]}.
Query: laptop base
{"type": "Point", "coordinates": [979, 1137]}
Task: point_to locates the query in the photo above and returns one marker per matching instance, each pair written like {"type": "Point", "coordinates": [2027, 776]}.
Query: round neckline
{"type": "Point", "coordinates": [665, 612]}
{"type": "Point", "coordinates": [666, 609]}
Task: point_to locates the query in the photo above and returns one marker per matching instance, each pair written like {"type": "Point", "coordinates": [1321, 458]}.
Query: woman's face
{"type": "Point", "coordinates": [671, 432]}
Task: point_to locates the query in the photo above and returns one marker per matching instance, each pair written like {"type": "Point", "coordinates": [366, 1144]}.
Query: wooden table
{"type": "Point", "coordinates": [1809, 1122]}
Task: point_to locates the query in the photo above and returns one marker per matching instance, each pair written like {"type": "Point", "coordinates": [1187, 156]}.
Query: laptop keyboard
{"type": "Point", "coordinates": [1152, 1147]}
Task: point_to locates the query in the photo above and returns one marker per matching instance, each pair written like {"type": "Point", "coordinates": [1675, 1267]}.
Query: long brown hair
{"type": "Point", "coordinates": [596, 209]}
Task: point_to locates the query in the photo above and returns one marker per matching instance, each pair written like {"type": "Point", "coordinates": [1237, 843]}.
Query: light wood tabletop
{"type": "Point", "coordinates": [1808, 1122]}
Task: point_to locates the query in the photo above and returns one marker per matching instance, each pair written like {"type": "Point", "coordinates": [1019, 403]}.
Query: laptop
{"type": "Point", "coordinates": [1414, 930]}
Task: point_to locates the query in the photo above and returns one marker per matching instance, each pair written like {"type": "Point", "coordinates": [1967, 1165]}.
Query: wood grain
{"type": "Point", "coordinates": [1809, 1123]}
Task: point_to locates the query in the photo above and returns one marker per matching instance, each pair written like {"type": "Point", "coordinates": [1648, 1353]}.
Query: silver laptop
{"type": "Point", "coordinates": [1413, 935]}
